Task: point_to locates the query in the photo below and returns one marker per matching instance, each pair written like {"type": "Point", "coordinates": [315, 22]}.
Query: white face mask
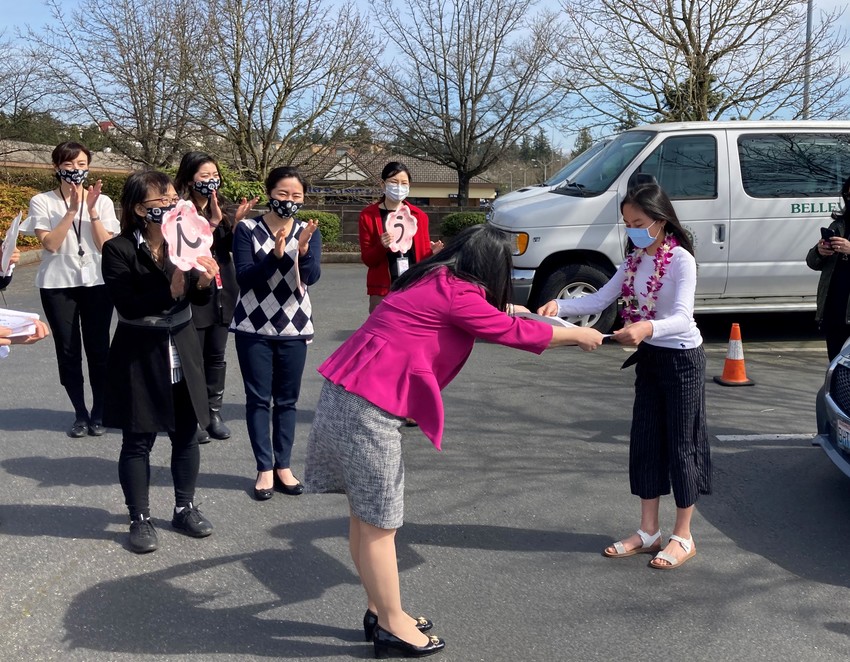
{"type": "Point", "coordinates": [396, 192]}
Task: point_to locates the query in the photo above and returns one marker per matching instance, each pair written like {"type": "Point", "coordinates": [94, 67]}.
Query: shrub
{"type": "Point", "coordinates": [43, 179]}
{"type": "Point", "coordinates": [458, 221]}
{"type": "Point", "coordinates": [14, 199]}
{"type": "Point", "coordinates": [340, 247]}
{"type": "Point", "coordinates": [329, 224]}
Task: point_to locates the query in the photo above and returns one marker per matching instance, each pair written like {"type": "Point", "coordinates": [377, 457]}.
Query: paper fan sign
{"type": "Point", "coordinates": [401, 224]}
{"type": "Point", "coordinates": [9, 246]}
{"type": "Point", "coordinates": [188, 234]}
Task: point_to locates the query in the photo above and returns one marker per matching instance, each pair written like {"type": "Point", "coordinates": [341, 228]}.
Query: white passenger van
{"type": "Point", "coordinates": [752, 195]}
{"type": "Point", "coordinates": [563, 175]}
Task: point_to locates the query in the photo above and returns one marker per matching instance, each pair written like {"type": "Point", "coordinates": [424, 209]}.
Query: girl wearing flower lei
{"type": "Point", "coordinates": [669, 443]}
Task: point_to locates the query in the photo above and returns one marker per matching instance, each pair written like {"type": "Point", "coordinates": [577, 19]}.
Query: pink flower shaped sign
{"type": "Point", "coordinates": [401, 224]}
{"type": "Point", "coordinates": [188, 234]}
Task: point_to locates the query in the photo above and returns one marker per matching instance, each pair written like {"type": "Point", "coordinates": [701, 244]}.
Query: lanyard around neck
{"type": "Point", "coordinates": [78, 227]}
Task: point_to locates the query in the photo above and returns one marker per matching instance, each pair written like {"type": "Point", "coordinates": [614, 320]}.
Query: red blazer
{"type": "Point", "coordinates": [374, 253]}
{"type": "Point", "coordinates": [417, 341]}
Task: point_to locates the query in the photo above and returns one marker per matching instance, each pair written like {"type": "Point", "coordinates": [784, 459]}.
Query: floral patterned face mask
{"type": "Point", "coordinates": [207, 187]}
{"type": "Point", "coordinates": [74, 176]}
{"type": "Point", "coordinates": [284, 208]}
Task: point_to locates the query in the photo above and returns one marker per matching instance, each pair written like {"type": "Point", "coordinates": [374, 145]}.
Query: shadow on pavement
{"type": "Point", "coordinates": [165, 618]}
{"type": "Point", "coordinates": [59, 522]}
{"type": "Point", "coordinates": [95, 471]}
{"type": "Point", "coordinates": [800, 523]}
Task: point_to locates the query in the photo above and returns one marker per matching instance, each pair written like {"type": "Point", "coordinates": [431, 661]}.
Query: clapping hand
{"type": "Point", "coordinates": [92, 194]}
{"type": "Point", "coordinates": [244, 207]}
{"type": "Point", "coordinates": [215, 210]}
{"type": "Point", "coordinates": [304, 237]}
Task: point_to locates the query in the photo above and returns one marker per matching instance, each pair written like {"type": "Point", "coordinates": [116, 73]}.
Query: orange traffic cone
{"type": "Point", "coordinates": [734, 373]}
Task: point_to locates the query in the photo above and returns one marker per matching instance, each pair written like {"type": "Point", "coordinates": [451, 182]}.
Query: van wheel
{"type": "Point", "coordinates": [577, 280]}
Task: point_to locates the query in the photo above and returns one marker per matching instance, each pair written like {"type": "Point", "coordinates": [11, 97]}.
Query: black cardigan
{"type": "Point", "coordinates": [139, 395]}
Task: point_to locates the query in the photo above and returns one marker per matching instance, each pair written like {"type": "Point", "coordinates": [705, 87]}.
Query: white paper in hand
{"type": "Point", "coordinates": [19, 322]}
{"type": "Point", "coordinates": [552, 321]}
{"type": "Point", "coordinates": [9, 242]}
{"type": "Point", "coordinates": [189, 236]}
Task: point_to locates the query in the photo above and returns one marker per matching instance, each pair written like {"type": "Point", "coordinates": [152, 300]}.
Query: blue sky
{"type": "Point", "coordinates": [16, 13]}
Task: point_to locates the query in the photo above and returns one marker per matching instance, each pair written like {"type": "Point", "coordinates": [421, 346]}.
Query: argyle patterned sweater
{"type": "Point", "coordinates": [273, 299]}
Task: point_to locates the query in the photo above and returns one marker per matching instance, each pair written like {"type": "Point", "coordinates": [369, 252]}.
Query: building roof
{"type": "Point", "coordinates": [18, 154]}
{"type": "Point", "coordinates": [346, 165]}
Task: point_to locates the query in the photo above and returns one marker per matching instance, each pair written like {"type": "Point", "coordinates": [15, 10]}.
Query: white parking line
{"type": "Point", "coordinates": [764, 437]}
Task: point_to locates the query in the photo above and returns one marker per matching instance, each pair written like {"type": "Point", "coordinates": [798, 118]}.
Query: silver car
{"type": "Point", "coordinates": [833, 412]}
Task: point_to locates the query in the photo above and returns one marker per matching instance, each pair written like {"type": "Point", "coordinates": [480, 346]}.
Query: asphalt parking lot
{"type": "Point", "coordinates": [504, 528]}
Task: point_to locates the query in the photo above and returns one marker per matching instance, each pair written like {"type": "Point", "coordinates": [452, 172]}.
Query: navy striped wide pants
{"type": "Point", "coordinates": [669, 441]}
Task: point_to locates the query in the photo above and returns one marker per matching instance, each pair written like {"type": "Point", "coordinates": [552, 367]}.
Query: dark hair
{"type": "Point", "coordinates": [391, 170]}
{"type": "Point", "coordinates": [653, 201]}
{"type": "Point", "coordinates": [189, 165]}
{"type": "Point", "coordinates": [480, 254]}
{"type": "Point", "coordinates": [845, 191]}
{"type": "Point", "coordinates": [68, 151]}
{"type": "Point", "coordinates": [284, 172]}
{"type": "Point", "coordinates": [136, 192]}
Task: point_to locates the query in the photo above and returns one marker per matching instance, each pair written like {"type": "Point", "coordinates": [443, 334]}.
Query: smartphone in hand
{"type": "Point", "coordinates": [827, 234]}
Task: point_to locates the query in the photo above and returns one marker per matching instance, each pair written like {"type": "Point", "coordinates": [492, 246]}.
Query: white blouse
{"type": "Point", "coordinates": [674, 326]}
{"type": "Point", "coordinates": [64, 268]}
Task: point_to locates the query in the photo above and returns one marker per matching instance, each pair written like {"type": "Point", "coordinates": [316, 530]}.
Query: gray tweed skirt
{"type": "Point", "coordinates": [355, 448]}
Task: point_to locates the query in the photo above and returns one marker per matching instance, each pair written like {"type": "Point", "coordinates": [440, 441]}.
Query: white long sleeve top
{"type": "Point", "coordinates": [674, 326]}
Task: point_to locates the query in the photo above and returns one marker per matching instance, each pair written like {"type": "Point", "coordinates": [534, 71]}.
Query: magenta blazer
{"type": "Point", "coordinates": [417, 340]}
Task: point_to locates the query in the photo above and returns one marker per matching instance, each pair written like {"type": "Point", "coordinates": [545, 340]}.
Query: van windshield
{"type": "Point", "coordinates": [602, 170]}
{"type": "Point", "coordinates": [575, 164]}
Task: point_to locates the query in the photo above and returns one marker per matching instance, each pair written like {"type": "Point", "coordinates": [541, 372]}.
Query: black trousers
{"type": "Point", "coordinates": [80, 317]}
{"type": "Point", "coordinates": [134, 468]}
{"type": "Point", "coordinates": [669, 440]}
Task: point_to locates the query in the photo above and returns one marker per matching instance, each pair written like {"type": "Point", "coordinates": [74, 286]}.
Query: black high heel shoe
{"type": "Point", "coordinates": [262, 494]}
{"type": "Point", "coordinates": [386, 643]}
{"type": "Point", "coordinates": [291, 490]}
{"type": "Point", "coordinates": [370, 620]}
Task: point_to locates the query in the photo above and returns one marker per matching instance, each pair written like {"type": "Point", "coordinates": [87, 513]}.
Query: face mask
{"type": "Point", "coordinates": [73, 176]}
{"type": "Point", "coordinates": [155, 214]}
{"type": "Point", "coordinates": [284, 208]}
{"type": "Point", "coordinates": [396, 192]}
{"type": "Point", "coordinates": [640, 236]}
{"type": "Point", "coordinates": [206, 187]}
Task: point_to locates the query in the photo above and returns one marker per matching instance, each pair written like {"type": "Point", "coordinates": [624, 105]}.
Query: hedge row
{"type": "Point", "coordinates": [454, 223]}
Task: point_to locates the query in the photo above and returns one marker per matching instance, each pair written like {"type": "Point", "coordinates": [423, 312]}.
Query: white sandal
{"type": "Point", "coordinates": [690, 551]}
{"type": "Point", "coordinates": [649, 545]}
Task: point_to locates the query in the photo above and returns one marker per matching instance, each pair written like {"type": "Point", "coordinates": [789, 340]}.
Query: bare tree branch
{"type": "Point", "coordinates": [701, 60]}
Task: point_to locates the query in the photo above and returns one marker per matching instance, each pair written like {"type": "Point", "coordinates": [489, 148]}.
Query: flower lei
{"type": "Point", "coordinates": [631, 312]}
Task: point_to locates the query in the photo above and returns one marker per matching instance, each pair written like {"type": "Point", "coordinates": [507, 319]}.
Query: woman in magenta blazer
{"type": "Point", "coordinates": [385, 266]}
{"type": "Point", "coordinates": [394, 367]}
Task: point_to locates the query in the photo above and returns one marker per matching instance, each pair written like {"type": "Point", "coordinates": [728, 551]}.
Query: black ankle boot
{"type": "Point", "coordinates": [217, 429]}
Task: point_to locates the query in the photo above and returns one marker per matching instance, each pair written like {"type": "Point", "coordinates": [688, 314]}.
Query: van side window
{"type": "Point", "coordinates": [685, 167]}
{"type": "Point", "coordinates": [794, 165]}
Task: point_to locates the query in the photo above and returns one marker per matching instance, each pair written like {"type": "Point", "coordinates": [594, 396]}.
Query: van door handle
{"type": "Point", "coordinates": [719, 233]}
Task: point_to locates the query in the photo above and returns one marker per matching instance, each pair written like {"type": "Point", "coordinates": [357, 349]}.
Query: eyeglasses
{"type": "Point", "coordinates": [166, 201]}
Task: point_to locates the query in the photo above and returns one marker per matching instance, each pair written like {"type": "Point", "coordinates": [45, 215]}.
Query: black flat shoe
{"type": "Point", "coordinates": [96, 429]}
{"type": "Point", "coordinates": [143, 539]}
{"type": "Point", "coordinates": [79, 429]}
{"type": "Point", "coordinates": [370, 620]}
{"type": "Point", "coordinates": [291, 490]}
{"type": "Point", "coordinates": [262, 494]}
{"type": "Point", "coordinates": [386, 643]}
